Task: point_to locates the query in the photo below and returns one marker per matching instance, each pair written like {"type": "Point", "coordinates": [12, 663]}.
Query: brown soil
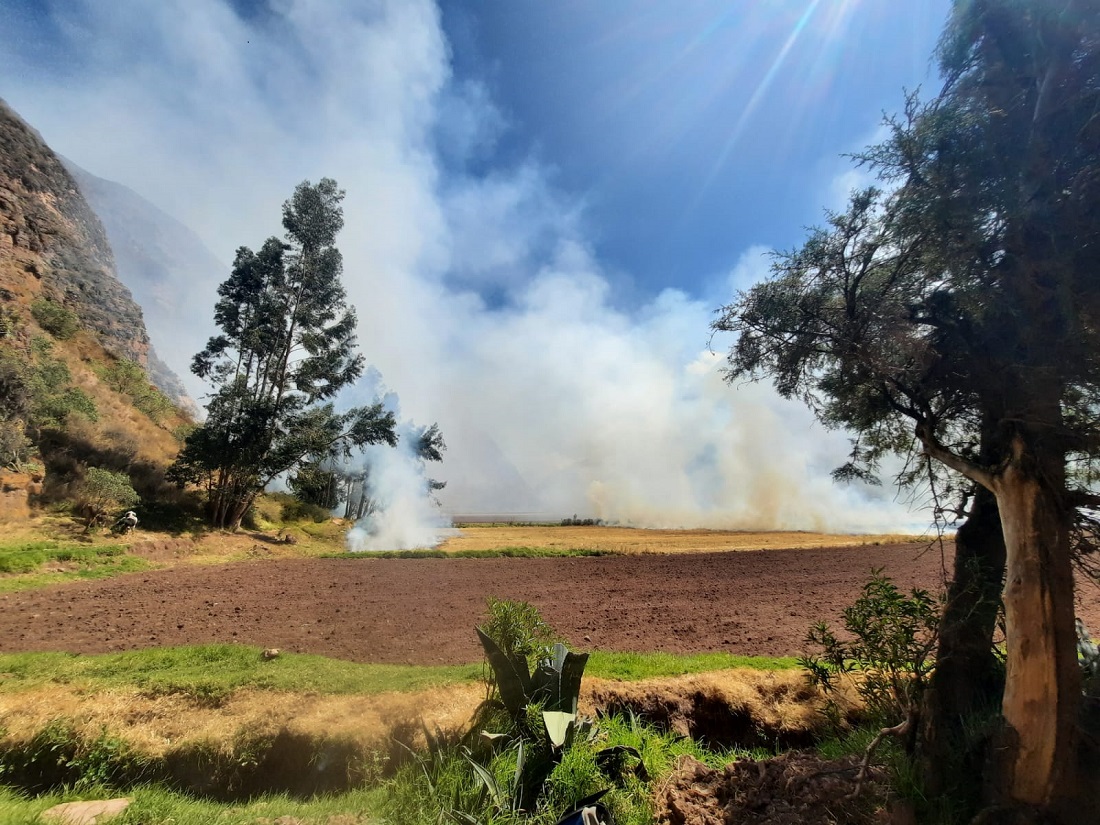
{"type": "Point", "coordinates": [422, 611]}
{"type": "Point", "coordinates": [795, 788]}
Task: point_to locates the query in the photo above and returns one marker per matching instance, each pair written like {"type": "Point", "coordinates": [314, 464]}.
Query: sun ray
{"type": "Point", "coordinates": [758, 94]}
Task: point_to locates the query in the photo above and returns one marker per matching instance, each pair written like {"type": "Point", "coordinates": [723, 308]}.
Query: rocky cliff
{"type": "Point", "coordinates": [53, 246]}
{"type": "Point", "coordinates": [171, 273]}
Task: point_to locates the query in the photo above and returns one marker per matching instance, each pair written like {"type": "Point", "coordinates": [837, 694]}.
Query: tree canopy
{"type": "Point", "coordinates": [951, 313]}
{"type": "Point", "coordinates": [287, 346]}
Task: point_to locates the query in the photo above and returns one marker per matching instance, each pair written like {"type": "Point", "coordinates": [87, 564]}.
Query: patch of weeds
{"type": "Point", "coordinates": [21, 564]}
{"type": "Point", "coordinates": [59, 756]}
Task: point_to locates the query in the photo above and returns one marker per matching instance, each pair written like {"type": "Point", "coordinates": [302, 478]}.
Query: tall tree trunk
{"type": "Point", "coordinates": [1043, 681]}
{"type": "Point", "coordinates": [968, 681]}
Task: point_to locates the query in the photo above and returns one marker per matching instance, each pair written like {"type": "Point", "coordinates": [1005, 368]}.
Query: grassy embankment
{"type": "Point", "coordinates": [147, 722]}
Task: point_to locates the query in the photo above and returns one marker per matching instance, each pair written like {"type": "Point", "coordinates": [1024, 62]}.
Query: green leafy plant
{"type": "Point", "coordinates": [129, 378]}
{"type": "Point", "coordinates": [294, 510]}
{"type": "Point", "coordinates": [59, 321]}
{"type": "Point", "coordinates": [15, 447]}
{"type": "Point", "coordinates": [103, 492]}
{"type": "Point", "coordinates": [540, 707]}
{"type": "Point", "coordinates": [890, 654]}
{"type": "Point", "coordinates": [518, 629]}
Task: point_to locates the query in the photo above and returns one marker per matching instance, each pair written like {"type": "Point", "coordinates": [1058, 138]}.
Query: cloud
{"type": "Point", "coordinates": [480, 300]}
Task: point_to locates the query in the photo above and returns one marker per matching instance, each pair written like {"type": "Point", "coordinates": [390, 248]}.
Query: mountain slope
{"type": "Point", "coordinates": [74, 394]}
{"type": "Point", "coordinates": [53, 247]}
{"type": "Point", "coordinates": [172, 274]}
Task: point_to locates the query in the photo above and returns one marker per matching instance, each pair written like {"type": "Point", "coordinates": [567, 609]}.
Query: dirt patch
{"type": "Point", "coordinates": [16, 492]}
{"type": "Point", "coordinates": [422, 611]}
{"type": "Point", "coordinates": [164, 550]}
{"type": "Point", "coordinates": [796, 788]}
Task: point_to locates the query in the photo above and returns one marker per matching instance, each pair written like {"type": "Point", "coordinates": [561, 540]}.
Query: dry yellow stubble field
{"type": "Point", "coordinates": [638, 540]}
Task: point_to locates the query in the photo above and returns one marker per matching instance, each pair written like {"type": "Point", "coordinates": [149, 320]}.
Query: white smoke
{"type": "Point", "coordinates": [404, 516]}
{"type": "Point", "coordinates": [555, 398]}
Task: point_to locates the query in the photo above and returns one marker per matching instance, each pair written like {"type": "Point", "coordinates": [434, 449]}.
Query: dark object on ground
{"type": "Point", "coordinates": [126, 522]}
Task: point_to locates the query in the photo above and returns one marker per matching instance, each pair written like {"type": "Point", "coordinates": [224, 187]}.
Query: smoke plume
{"type": "Point", "coordinates": [478, 292]}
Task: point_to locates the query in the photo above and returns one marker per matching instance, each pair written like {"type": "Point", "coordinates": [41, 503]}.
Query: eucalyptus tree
{"type": "Point", "coordinates": [955, 313]}
{"type": "Point", "coordinates": [287, 347]}
{"type": "Point", "coordinates": [332, 478]}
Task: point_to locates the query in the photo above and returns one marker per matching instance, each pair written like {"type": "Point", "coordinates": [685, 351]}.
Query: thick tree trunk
{"type": "Point", "coordinates": [968, 681]}
{"type": "Point", "coordinates": [1043, 681]}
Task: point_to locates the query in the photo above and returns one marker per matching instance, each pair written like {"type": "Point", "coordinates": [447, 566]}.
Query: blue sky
{"type": "Point", "coordinates": [692, 130]}
{"type": "Point", "coordinates": [546, 202]}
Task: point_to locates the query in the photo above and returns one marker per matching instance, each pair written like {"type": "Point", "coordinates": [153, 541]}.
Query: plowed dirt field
{"type": "Point", "coordinates": [422, 611]}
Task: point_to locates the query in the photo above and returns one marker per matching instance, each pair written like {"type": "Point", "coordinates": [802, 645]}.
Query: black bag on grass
{"type": "Point", "coordinates": [589, 811]}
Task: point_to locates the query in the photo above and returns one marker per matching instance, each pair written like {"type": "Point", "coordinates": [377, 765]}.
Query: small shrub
{"type": "Point", "coordinates": [893, 638]}
{"type": "Point", "coordinates": [9, 321]}
{"type": "Point", "coordinates": [518, 629]}
{"type": "Point", "coordinates": [59, 756]}
{"type": "Point", "coordinates": [129, 378]}
{"type": "Point", "coordinates": [294, 510]}
{"type": "Point", "coordinates": [181, 431]}
{"type": "Point", "coordinates": [60, 322]}
{"type": "Point", "coordinates": [15, 447]}
{"type": "Point", "coordinates": [103, 492]}
{"type": "Point", "coordinates": [581, 522]}
{"type": "Point", "coordinates": [891, 654]}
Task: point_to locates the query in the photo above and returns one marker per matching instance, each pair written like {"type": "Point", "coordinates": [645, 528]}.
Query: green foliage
{"type": "Point", "coordinates": [518, 629]}
{"type": "Point", "coordinates": [286, 348]}
{"type": "Point", "coordinates": [624, 756]}
{"type": "Point", "coordinates": [36, 388]}
{"type": "Point", "coordinates": [9, 321]}
{"type": "Point", "coordinates": [84, 563]}
{"type": "Point", "coordinates": [629, 667]}
{"type": "Point", "coordinates": [15, 447]}
{"type": "Point", "coordinates": [540, 706]}
{"type": "Point", "coordinates": [58, 755]}
{"type": "Point", "coordinates": [295, 510]}
{"type": "Point", "coordinates": [104, 492]}
{"type": "Point", "coordinates": [317, 486]}
{"type": "Point", "coordinates": [210, 672]}
{"type": "Point", "coordinates": [892, 640]}
{"type": "Point", "coordinates": [129, 378]}
{"type": "Point", "coordinates": [29, 556]}
{"type": "Point", "coordinates": [59, 321]}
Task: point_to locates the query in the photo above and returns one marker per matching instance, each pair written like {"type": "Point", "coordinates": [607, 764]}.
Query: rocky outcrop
{"type": "Point", "coordinates": [172, 274]}
{"type": "Point", "coordinates": [53, 246]}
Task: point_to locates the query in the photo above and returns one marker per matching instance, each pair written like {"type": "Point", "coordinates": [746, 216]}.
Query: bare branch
{"type": "Point", "coordinates": [972, 470]}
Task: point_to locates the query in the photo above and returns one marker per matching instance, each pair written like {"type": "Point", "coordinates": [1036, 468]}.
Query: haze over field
{"type": "Point", "coordinates": [540, 218]}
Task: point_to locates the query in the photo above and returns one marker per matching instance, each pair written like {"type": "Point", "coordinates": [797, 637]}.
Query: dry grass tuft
{"type": "Point", "coordinates": [154, 724]}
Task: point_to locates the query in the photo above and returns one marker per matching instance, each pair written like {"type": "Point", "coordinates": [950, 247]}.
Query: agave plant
{"type": "Point", "coordinates": [555, 683]}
